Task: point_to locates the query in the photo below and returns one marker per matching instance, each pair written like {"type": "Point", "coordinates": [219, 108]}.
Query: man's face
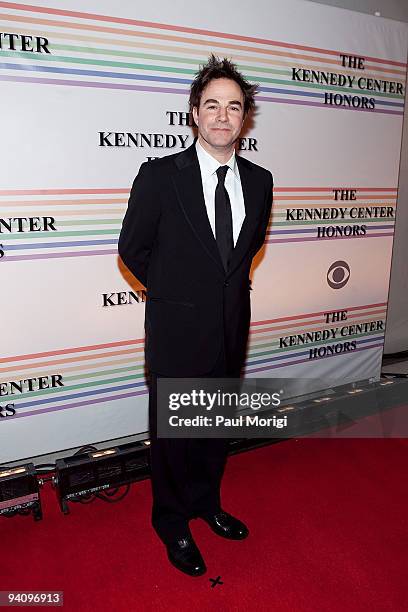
{"type": "Point", "coordinates": [221, 113]}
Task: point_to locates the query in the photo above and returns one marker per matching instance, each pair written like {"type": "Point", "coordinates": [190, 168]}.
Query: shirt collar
{"type": "Point", "coordinates": [209, 165]}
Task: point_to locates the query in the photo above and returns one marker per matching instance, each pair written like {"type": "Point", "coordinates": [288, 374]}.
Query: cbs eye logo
{"type": "Point", "coordinates": [338, 274]}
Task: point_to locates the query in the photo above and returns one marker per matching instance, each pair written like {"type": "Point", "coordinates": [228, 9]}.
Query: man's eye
{"type": "Point", "coordinates": [211, 106]}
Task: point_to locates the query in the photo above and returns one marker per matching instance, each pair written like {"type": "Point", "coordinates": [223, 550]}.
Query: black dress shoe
{"type": "Point", "coordinates": [227, 526]}
{"type": "Point", "coordinates": [185, 555]}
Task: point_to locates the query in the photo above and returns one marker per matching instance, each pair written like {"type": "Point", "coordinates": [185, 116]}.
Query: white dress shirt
{"type": "Point", "coordinates": [208, 167]}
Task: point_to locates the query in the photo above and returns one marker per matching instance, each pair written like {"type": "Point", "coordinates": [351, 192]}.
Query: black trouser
{"type": "Point", "coordinates": [185, 473]}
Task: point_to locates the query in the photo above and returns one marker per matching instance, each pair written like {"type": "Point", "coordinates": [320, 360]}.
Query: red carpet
{"type": "Point", "coordinates": [329, 531]}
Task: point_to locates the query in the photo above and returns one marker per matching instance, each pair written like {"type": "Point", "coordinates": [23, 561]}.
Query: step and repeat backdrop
{"type": "Point", "coordinates": [89, 91]}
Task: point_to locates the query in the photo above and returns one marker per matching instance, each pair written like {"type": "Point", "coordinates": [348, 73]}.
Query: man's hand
{"type": "Point", "coordinates": [265, 219]}
{"type": "Point", "coordinates": [139, 227]}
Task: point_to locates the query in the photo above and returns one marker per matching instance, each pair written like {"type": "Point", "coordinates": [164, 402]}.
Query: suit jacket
{"type": "Point", "coordinates": [193, 305]}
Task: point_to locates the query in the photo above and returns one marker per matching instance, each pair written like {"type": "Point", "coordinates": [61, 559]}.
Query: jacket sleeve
{"type": "Point", "coordinates": [267, 213]}
{"type": "Point", "coordinates": [139, 227]}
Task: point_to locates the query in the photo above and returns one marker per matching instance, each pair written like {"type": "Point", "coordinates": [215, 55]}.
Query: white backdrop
{"type": "Point", "coordinates": [71, 367]}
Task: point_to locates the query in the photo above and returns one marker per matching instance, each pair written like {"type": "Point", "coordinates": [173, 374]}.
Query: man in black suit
{"type": "Point", "coordinates": [195, 220]}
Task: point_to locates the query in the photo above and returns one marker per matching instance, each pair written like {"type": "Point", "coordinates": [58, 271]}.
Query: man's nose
{"type": "Point", "coordinates": [222, 114]}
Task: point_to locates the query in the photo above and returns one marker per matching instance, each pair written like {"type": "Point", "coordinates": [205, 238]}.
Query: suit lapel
{"type": "Point", "coordinates": [189, 189]}
{"type": "Point", "coordinates": [253, 201]}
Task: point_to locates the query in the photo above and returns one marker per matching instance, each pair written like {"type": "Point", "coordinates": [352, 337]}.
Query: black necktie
{"type": "Point", "coordinates": [223, 218]}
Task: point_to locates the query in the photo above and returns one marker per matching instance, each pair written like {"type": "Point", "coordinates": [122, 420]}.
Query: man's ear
{"type": "Point", "coordinates": [195, 115]}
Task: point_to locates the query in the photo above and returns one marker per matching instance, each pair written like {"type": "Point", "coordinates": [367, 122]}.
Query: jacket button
{"type": "Point", "coordinates": [226, 283]}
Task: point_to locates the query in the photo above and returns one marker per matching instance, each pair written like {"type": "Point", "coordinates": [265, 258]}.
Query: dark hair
{"type": "Point", "coordinates": [218, 69]}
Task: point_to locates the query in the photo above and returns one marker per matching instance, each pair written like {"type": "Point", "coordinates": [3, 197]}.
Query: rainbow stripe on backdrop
{"type": "Point", "coordinates": [100, 51]}
{"type": "Point", "coordinates": [265, 352]}
{"type": "Point", "coordinates": [89, 220]}
{"type": "Point", "coordinates": [112, 371]}
{"type": "Point", "coordinates": [322, 197]}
